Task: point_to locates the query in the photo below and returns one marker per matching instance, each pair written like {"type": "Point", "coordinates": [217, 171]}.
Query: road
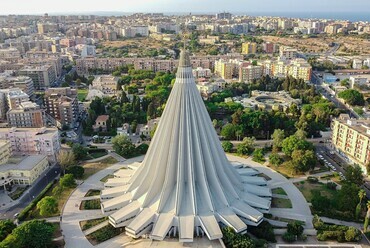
{"type": "Point", "coordinates": [34, 191]}
{"type": "Point", "coordinates": [328, 94]}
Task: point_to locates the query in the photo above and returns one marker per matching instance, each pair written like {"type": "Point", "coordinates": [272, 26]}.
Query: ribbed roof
{"type": "Point", "coordinates": [185, 177]}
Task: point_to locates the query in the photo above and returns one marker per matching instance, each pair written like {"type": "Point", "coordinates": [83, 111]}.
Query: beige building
{"type": "Point", "coordinates": [32, 141]}
{"type": "Point", "coordinates": [101, 123]}
{"type": "Point", "coordinates": [5, 151]}
{"type": "Point", "coordinates": [351, 138]}
{"type": "Point", "coordinates": [62, 105]}
{"type": "Point", "coordinates": [286, 52]}
{"type": "Point", "coordinates": [22, 170]}
{"type": "Point", "coordinates": [248, 73]}
{"type": "Point", "coordinates": [28, 114]}
{"type": "Point", "coordinates": [23, 83]}
{"type": "Point", "coordinates": [42, 76]}
{"type": "Point", "coordinates": [105, 83]}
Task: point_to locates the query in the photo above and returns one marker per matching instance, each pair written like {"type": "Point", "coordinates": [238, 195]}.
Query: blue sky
{"type": "Point", "coordinates": [50, 6]}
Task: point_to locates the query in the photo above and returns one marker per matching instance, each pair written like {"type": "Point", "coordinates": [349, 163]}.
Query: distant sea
{"type": "Point", "coordinates": [351, 16]}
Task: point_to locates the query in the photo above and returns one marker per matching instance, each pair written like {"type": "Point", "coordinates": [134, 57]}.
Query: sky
{"type": "Point", "coordinates": [194, 6]}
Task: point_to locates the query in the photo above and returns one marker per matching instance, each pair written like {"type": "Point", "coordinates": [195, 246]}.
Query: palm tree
{"type": "Point", "coordinates": [361, 195]}
{"type": "Point", "coordinates": [366, 223]}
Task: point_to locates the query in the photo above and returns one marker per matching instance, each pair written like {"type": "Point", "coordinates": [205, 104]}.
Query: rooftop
{"type": "Point", "coordinates": [25, 163]}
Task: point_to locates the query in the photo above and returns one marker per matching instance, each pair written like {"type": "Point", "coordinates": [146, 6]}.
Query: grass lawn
{"type": "Point", "coordinates": [284, 170]}
{"type": "Point", "coordinates": [105, 179]}
{"type": "Point", "coordinates": [279, 191]}
{"type": "Point", "coordinates": [34, 213]}
{"type": "Point", "coordinates": [305, 187]}
{"type": "Point", "coordinates": [17, 193]}
{"type": "Point", "coordinates": [81, 94]}
{"type": "Point", "coordinates": [92, 168]}
{"type": "Point", "coordinates": [94, 155]}
{"type": "Point", "coordinates": [90, 204]}
{"type": "Point", "coordinates": [281, 203]}
{"type": "Point", "coordinates": [93, 192]}
{"type": "Point", "coordinates": [87, 224]}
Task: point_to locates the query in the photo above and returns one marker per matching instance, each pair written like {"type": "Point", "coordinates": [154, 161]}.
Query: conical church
{"type": "Point", "coordinates": [185, 186]}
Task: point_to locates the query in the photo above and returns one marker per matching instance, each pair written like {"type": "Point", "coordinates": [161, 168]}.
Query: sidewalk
{"type": "Point", "coordinates": [73, 235]}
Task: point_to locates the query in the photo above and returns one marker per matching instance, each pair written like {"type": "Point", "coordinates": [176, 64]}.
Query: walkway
{"type": "Point", "coordinates": [72, 215]}
{"type": "Point", "coordinates": [300, 209]}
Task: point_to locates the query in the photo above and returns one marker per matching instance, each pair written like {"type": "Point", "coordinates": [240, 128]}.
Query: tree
{"type": "Point", "coordinates": [66, 159]}
{"type": "Point", "coordinates": [354, 175]}
{"type": "Point", "coordinates": [367, 217]}
{"type": "Point", "coordinates": [123, 146]}
{"type": "Point", "coordinates": [77, 171]}
{"type": "Point", "coordinates": [247, 146]}
{"type": "Point", "coordinates": [296, 228]}
{"type": "Point", "coordinates": [259, 155]}
{"type": "Point", "coordinates": [361, 195]}
{"type": "Point", "coordinates": [352, 97]}
{"type": "Point", "coordinates": [79, 151]}
{"type": "Point", "coordinates": [31, 234]}
{"type": "Point", "coordinates": [67, 181]}
{"type": "Point", "coordinates": [303, 160]}
{"type": "Point", "coordinates": [47, 206]}
{"type": "Point", "coordinates": [227, 146]}
{"type": "Point", "coordinates": [301, 134]}
{"type": "Point", "coordinates": [6, 228]}
{"type": "Point", "coordinates": [277, 139]}
{"type": "Point", "coordinates": [294, 143]}
{"type": "Point", "coordinates": [228, 131]}
{"type": "Point", "coordinates": [57, 191]}
{"type": "Point", "coordinates": [275, 159]}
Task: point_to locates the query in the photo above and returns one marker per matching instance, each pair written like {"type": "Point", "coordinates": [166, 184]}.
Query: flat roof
{"type": "Point", "coordinates": [25, 163]}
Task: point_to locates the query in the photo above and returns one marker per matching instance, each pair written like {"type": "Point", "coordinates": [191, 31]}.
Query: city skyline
{"type": "Point", "coordinates": [69, 6]}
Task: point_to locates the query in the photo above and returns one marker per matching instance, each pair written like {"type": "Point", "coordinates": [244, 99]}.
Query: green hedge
{"type": "Point", "coordinates": [24, 213]}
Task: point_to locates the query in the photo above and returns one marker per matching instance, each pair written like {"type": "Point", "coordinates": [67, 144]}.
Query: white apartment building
{"type": "Point", "coordinates": [32, 141]}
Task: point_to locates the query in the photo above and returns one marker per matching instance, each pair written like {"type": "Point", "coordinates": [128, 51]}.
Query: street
{"type": "Point", "coordinates": [31, 193]}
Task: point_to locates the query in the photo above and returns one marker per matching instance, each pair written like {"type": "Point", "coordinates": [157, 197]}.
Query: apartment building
{"type": "Point", "coordinates": [22, 170]}
{"type": "Point", "coordinates": [23, 83]}
{"type": "Point", "coordinates": [28, 114]}
{"type": "Point", "coordinates": [248, 73]}
{"type": "Point", "coordinates": [32, 141]}
{"type": "Point", "coordinates": [42, 76]}
{"type": "Point", "coordinates": [5, 151]}
{"type": "Point", "coordinates": [202, 73]}
{"type": "Point", "coordinates": [300, 69]}
{"type": "Point", "coordinates": [85, 66]}
{"type": "Point", "coordinates": [225, 69]}
{"type": "Point", "coordinates": [11, 98]}
{"type": "Point", "coordinates": [62, 105]}
{"type": "Point", "coordinates": [107, 84]}
{"type": "Point", "coordinates": [287, 53]}
{"type": "Point", "coordinates": [269, 47]}
{"type": "Point", "coordinates": [249, 48]}
{"type": "Point", "coordinates": [351, 138]}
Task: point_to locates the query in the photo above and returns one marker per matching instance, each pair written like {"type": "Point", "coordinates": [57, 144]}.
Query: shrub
{"type": "Point", "coordinates": [288, 237]}
{"type": "Point", "coordinates": [263, 231]}
{"type": "Point", "coordinates": [67, 181]}
{"type": "Point", "coordinates": [142, 149]}
{"type": "Point", "coordinates": [258, 155]}
{"type": "Point", "coordinates": [331, 185]}
{"type": "Point", "coordinates": [227, 146]}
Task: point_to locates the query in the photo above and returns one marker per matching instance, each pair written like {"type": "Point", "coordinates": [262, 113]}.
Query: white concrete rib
{"type": "Point", "coordinates": [185, 183]}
